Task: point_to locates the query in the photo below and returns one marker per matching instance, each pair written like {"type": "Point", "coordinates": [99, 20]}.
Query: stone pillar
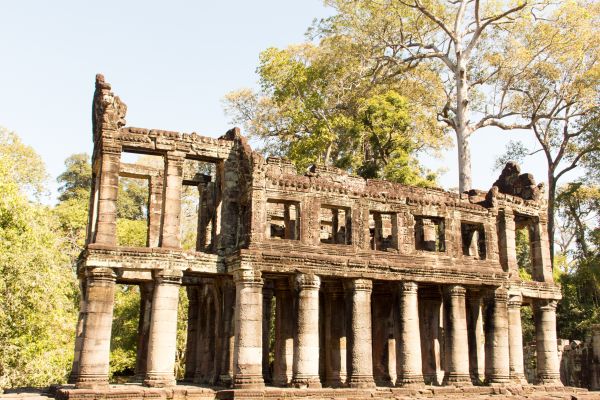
{"type": "Point", "coordinates": [384, 362]}
{"type": "Point", "coordinates": [497, 338]}
{"type": "Point", "coordinates": [95, 349]}
{"type": "Point", "coordinates": [540, 251]}
{"type": "Point", "coordinates": [408, 353]}
{"type": "Point", "coordinates": [192, 334]}
{"type": "Point", "coordinates": [306, 346]}
{"type": "Point", "coordinates": [457, 341]}
{"type": "Point", "coordinates": [247, 353]}
{"type": "Point", "coordinates": [171, 230]}
{"type": "Point", "coordinates": [79, 333]}
{"type": "Point", "coordinates": [141, 360]}
{"type": "Point", "coordinates": [155, 209]}
{"type": "Point", "coordinates": [162, 342]}
{"type": "Point", "coordinates": [507, 243]}
{"type": "Point", "coordinates": [361, 345]}
{"type": "Point", "coordinates": [335, 336]}
{"type": "Point", "coordinates": [548, 368]}
{"type": "Point", "coordinates": [476, 337]}
{"type": "Point", "coordinates": [106, 230]}
{"type": "Point", "coordinates": [226, 370]}
{"type": "Point", "coordinates": [266, 316]}
{"type": "Point", "coordinates": [430, 306]}
{"type": "Point", "coordinates": [515, 340]}
{"type": "Point", "coordinates": [284, 333]}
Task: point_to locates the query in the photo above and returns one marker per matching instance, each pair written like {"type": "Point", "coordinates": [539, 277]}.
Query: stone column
{"type": "Point", "coordinates": [361, 346]}
{"type": "Point", "coordinates": [476, 337]}
{"type": "Point", "coordinates": [192, 334]}
{"type": "Point", "coordinates": [141, 360]}
{"type": "Point", "coordinates": [155, 209]}
{"type": "Point", "coordinates": [408, 354]}
{"type": "Point", "coordinates": [247, 353]}
{"type": "Point", "coordinates": [497, 338]}
{"type": "Point", "coordinates": [306, 345]}
{"type": "Point", "coordinates": [106, 228]}
{"type": "Point", "coordinates": [162, 342]}
{"type": "Point", "coordinates": [171, 230]}
{"type": "Point", "coordinates": [548, 368]}
{"type": "Point", "coordinates": [515, 340]}
{"type": "Point", "coordinates": [284, 333]}
{"type": "Point", "coordinates": [266, 315]}
{"type": "Point", "coordinates": [79, 333]}
{"type": "Point", "coordinates": [226, 370]}
{"type": "Point", "coordinates": [95, 349]}
{"type": "Point", "coordinates": [335, 336]}
{"type": "Point", "coordinates": [457, 342]}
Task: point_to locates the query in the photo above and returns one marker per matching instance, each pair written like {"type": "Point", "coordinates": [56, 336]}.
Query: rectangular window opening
{"type": "Point", "coordinates": [429, 234]}
{"type": "Point", "coordinates": [473, 240]}
{"type": "Point", "coordinates": [383, 231]}
{"type": "Point", "coordinates": [199, 197]}
{"type": "Point", "coordinates": [283, 220]}
{"type": "Point", "coordinates": [336, 225]}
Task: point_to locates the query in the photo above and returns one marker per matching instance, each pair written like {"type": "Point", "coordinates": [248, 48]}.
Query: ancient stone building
{"type": "Point", "coordinates": [369, 283]}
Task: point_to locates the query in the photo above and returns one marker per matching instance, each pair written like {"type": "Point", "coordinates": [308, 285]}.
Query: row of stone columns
{"type": "Point", "coordinates": [347, 328]}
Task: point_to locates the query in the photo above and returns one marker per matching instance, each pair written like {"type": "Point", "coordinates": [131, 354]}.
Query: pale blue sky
{"type": "Point", "coordinates": [171, 62]}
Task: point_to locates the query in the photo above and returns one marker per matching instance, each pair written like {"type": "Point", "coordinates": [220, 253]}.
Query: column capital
{"type": "Point", "coordinates": [247, 277]}
{"type": "Point", "coordinates": [515, 302]}
{"type": "Point", "coordinates": [97, 274]}
{"type": "Point", "coordinates": [545, 304]}
{"type": "Point", "coordinates": [408, 286]}
{"type": "Point", "coordinates": [500, 295]}
{"type": "Point", "coordinates": [168, 276]}
{"type": "Point", "coordinates": [111, 149]}
{"type": "Point", "coordinates": [308, 281]}
{"type": "Point", "coordinates": [455, 290]}
{"type": "Point", "coordinates": [174, 157]}
{"type": "Point", "coordinates": [364, 285]}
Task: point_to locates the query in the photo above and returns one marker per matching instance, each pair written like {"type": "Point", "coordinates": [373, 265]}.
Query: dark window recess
{"type": "Point", "coordinates": [383, 231]}
{"type": "Point", "coordinates": [473, 240]}
{"type": "Point", "coordinates": [336, 225]}
{"type": "Point", "coordinates": [429, 234]}
{"type": "Point", "coordinates": [283, 220]}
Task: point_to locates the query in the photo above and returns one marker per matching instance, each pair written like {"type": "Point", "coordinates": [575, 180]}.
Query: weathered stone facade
{"type": "Point", "coordinates": [369, 283]}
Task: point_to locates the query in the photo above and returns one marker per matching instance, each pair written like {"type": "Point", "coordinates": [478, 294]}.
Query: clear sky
{"type": "Point", "coordinates": [171, 62]}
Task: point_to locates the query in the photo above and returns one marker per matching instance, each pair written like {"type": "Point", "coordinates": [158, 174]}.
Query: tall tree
{"type": "Point", "coordinates": [553, 88]}
{"type": "Point", "coordinates": [456, 40]}
{"type": "Point", "coordinates": [317, 104]}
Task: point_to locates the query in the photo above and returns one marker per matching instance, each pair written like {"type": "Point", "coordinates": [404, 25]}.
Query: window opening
{"type": "Point", "coordinates": [283, 220]}
{"type": "Point", "coordinates": [383, 231]}
{"type": "Point", "coordinates": [336, 225]}
{"type": "Point", "coordinates": [473, 240]}
{"type": "Point", "coordinates": [429, 234]}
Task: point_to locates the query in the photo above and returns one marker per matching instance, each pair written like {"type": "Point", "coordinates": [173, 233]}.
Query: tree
{"type": "Point", "coordinates": [313, 108]}
{"type": "Point", "coordinates": [552, 88]}
{"type": "Point", "coordinates": [459, 41]}
{"type": "Point", "coordinates": [38, 292]}
{"type": "Point", "coordinates": [76, 178]}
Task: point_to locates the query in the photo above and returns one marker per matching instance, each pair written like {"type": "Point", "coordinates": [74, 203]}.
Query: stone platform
{"type": "Point", "coordinates": [118, 392]}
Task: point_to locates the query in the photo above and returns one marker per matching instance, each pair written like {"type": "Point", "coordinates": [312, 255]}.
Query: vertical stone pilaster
{"type": "Point", "coordinates": [284, 333]}
{"type": "Point", "coordinates": [106, 225]}
{"type": "Point", "coordinates": [507, 243]}
{"type": "Point", "coordinates": [335, 336]}
{"type": "Point", "coordinates": [540, 251]}
{"type": "Point", "coordinates": [266, 316]}
{"type": "Point", "coordinates": [476, 337]}
{"type": "Point", "coordinates": [95, 349]}
{"type": "Point", "coordinates": [192, 334]}
{"type": "Point", "coordinates": [457, 342]}
{"type": "Point", "coordinates": [361, 350]}
{"type": "Point", "coordinates": [155, 209]}
{"type": "Point", "coordinates": [171, 218]}
{"type": "Point", "coordinates": [515, 340]}
{"type": "Point", "coordinates": [497, 338]}
{"type": "Point", "coordinates": [408, 354]}
{"type": "Point", "coordinates": [548, 368]}
{"type": "Point", "coordinates": [247, 353]}
{"type": "Point", "coordinates": [78, 333]}
{"type": "Point", "coordinates": [162, 342]}
{"type": "Point", "coordinates": [306, 346]}
{"type": "Point", "coordinates": [141, 360]}
{"type": "Point", "coordinates": [226, 370]}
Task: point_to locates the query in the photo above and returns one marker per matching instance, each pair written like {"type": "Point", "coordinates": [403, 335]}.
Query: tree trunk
{"type": "Point", "coordinates": [461, 126]}
{"type": "Point", "coordinates": [551, 201]}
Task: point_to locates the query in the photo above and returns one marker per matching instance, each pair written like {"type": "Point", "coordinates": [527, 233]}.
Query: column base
{"type": "Point", "coordinates": [549, 380]}
{"type": "Point", "coordinates": [248, 382]}
{"type": "Point", "coordinates": [361, 382]}
{"type": "Point", "coordinates": [497, 379]}
{"type": "Point", "coordinates": [159, 380]}
{"type": "Point", "coordinates": [518, 379]}
{"type": "Point", "coordinates": [225, 380]}
{"type": "Point", "coordinates": [91, 381]}
{"type": "Point", "coordinates": [457, 379]}
{"type": "Point", "coordinates": [304, 382]}
{"type": "Point", "coordinates": [410, 380]}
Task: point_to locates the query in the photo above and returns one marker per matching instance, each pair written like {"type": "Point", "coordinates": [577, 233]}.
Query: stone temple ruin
{"type": "Point", "coordinates": [370, 284]}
